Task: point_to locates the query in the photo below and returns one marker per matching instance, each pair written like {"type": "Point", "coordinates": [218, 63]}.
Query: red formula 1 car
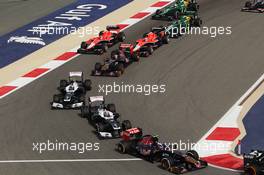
{"type": "Point", "coordinates": [152, 40]}
{"type": "Point", "coordinates": [106, 39]}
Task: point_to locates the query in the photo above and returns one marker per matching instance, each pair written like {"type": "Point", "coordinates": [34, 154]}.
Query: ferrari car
{"type": "Point", "coordinates": [120, 59]}
{"type": "Point", "coordinates": [106, 39]}
{"type": "Point", "coordinates": [254, 163]}
{"type": "Point", "coordinates": [145, 146]}
{"type": "Point", "coordinates": [72, 92]}
{"type": "Point", "coordinates": [178, 8]}
{"type": "Point", "coordinates": [104, 118]}
{"type": "Point", "coordinates": [179, 163]}
{"type": "Point", "coordinates": [254, 6]}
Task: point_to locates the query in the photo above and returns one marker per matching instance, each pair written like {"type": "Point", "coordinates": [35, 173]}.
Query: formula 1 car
{"type": "Point", "coordinates": [104, 118]}
{"type": "Point", "coordinates": [146, 147]}
{"type": "Point", "coordinates": [254, 163]}
{"type": "Point", "coordinates": [180, 163]}
{"type": "Point", "coordinates": [182, 25]}
{"type": "Point", "coordinates": [178, 8]}
{"type": "Point", "coordinates": [106, 39]}
{"type": "Point", "coordinates": [120, 59]}
{"type": "Point", "coordinates": [254, 6]}
{"type": "Point", "coordinates": [152, 40]}
{"type": "Point", "coordinates": [72, 92]}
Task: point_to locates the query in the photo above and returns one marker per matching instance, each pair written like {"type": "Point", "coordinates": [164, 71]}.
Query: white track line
{"type": "Point", "coordinates": [69, 160]}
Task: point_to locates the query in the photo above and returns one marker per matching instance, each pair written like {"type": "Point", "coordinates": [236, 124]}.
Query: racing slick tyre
{"type": "Point", "coordinates": [150, 50]}
{"type": "Point", "coordinates": [193, 7]}
{"type": "Point", "coordinates": [166, 39]}
{"type": "Point", "coordinates": [101, 33]}
{"type": "Point", "coordinates": [82, 99]}
{"type": "Point", "coordinates": [166, 163]}
{"type": "Point", "coordinates": [248, 4]}
{"type": "Point", "coordinates": [111, 108]}
{"type": "Point", "coordinates": [56, 98]}
{"type": "Point", "coordinates": [123, 147]}
{"type": "Point", "coordinates": [135, 57]}
{"type": "Point", "coordinates": [251, 170]}
{"type": "Point", "coordinates": [145, 35]}
{"type": "Point", "coordinates": [120, 69]}
{"type": "Point", "coordinates": [197, 22]}
{"type": "Point", "coordinates": [88, 84]}
{"type": "Point", "coordinates": [193, 154]}
{"type": "Point", "coordinates": [85, 111]}
{"type": "Point", "coordinates": [115, 54]}
{"type": "Point", "coordinates": [121, 37]}
{"type": "Point", "coordinates": [176, 15]}
{"type": "Point", "coordinates": [126, 124]}
{"type": "Point", "coordinates": [158, 12]}
{"type": "Point", "coordinates": [63, 84]}
{"type": "Point", "coordinates": [98, 66]}
{"type": "Point", "coordinates": [100, 127]}
{"type": "Point", "coordinates": [83, 45]}
{"type": "Point", "coordinates": [104, 47]}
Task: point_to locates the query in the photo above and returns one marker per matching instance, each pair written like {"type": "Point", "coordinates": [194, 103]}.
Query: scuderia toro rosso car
{"type": "Point", "coordinates": [179, 163]}
{"type": "Point", "coordinates": [134, 143]}
{"type": "Point", "coordinates": [115, 66]}
{"type": "Point", "coordinates": [106, 39]}
{"type": "Point", "coordinates": [254, 163]}
{"type": "Point", "coordinates": [254, 6]}
{"type": "Point", "coordinates": [72, 92]}
{"type": "Point", "coordinates": [104, 118]}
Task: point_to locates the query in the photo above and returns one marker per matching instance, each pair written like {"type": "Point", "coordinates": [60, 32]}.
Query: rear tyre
{"type": "Point", "coordinates": [135, 57]}
{"type": "Point", "coordinates": [84, 111]}
{"type": "Point", "coordinates": [150, 50]}
{"type": "Point", "coordinates": [98, 67]}
{"type": "Point", "coordinates": [111, 108]}
{"type": "Point", "coordinates": [166, 39]}
{"type": "Point", "coordinates": [115, 54]}
{"type": "Point", "coordinates": [250, 171]}
{"type": "Point", "coordinates": [63, 84]}
{"type": "Point", "coordinates": [121, 37]}
{"type": "Point", "coordinates": [165, 164]}
{"type": "Point", "coordinates": [126, 124]}
{"type": "Point", "coordinates": [176, 15]}
{"type": "Point", "coordinates": [100, 127]}
{"type": "Point", "coordinates": [104, 47]}
{"type": "Point", "coordinates": [56, 98]}
{"type": "Point", "coordinates": [193, 154]}
{"type": "Point", "coordinates": [84, 45]}
{"type": "Point", "coordinates": [158, 12]}
{"type": "Point", "coordinates": [88, 84]}
{"type": "Point", "coordinates": [248, 4]}
{"type": "Point", "coordinates": [101, 33]}
{"type": "Point", "coordinates": [120, 69]}
{"type": "Point", "coordinates": [123, 147]}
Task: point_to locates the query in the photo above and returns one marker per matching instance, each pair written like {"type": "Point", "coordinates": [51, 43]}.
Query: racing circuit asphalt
{"type": "Point", "coordinates": [204, 76]}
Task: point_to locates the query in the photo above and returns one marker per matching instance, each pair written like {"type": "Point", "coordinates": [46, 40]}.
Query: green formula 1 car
{"type": "Point", "coordinates": [175, 29]}
{"type": "Point", "coordinates": [177, 9]}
